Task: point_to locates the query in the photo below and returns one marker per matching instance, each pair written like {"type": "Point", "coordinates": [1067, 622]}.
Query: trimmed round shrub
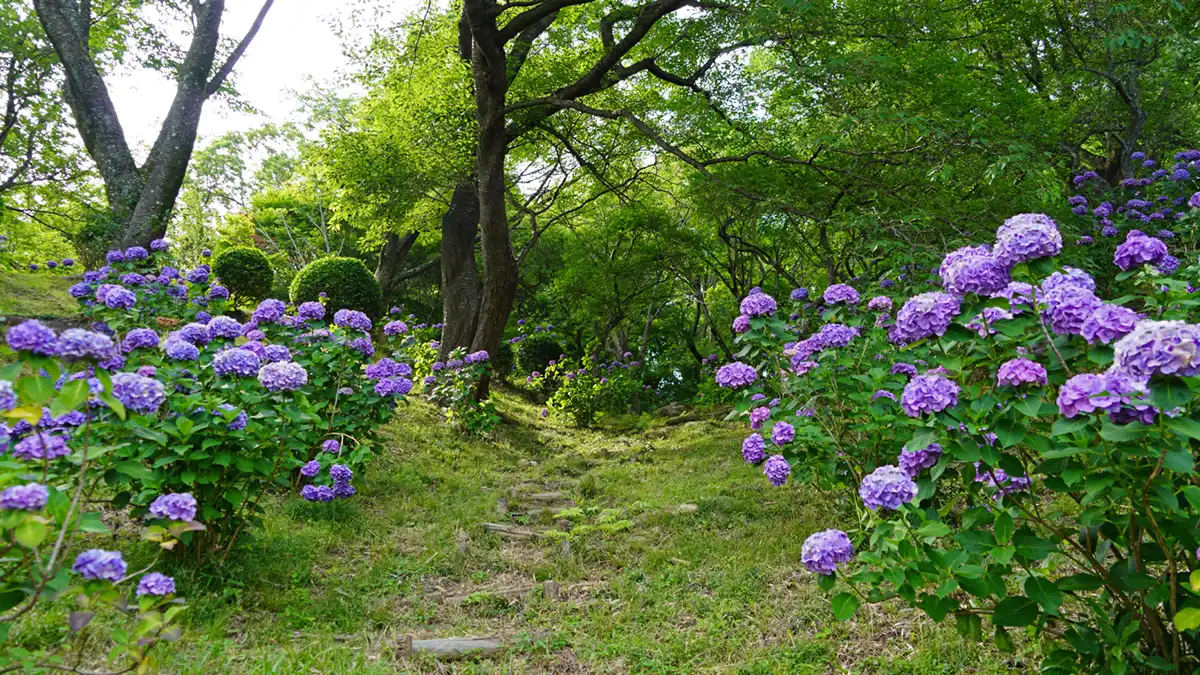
{"type": "Point", "coordinates": [246, 272]}
{"type": "Point", "coordinates": [348, 282]}
{"type": "Point", "coordinates": [536, 352]}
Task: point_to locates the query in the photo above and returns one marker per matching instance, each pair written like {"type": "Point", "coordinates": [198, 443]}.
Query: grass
{"type": "Point", "coordinates": [37, 296]}
{"type": "Point", "coordinates": [649, 587]}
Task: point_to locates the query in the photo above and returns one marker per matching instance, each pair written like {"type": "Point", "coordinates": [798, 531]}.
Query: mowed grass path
{"type": "Point", "coordinates": [649, 588]}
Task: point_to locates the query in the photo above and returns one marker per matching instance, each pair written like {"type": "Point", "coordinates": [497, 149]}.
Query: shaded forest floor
{"type": "Point", "coordinates": [677, 558]}
{"type": "Point", "coordinates": [37, 296]}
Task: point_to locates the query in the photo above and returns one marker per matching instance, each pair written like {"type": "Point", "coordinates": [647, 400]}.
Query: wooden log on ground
{"type": "Point", "coordinates": [547, 497]}
{"type": "Point", "coordinates": [451, 649]}
{"type": "Point", "coordinates": [510, 532]}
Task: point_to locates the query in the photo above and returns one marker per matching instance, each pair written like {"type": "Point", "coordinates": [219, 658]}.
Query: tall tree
{"type": "Point", "coordinates": [141, 197]}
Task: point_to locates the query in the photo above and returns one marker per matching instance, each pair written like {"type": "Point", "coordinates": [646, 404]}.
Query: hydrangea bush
{"type": "Point", "coordinates": [1018, 448]}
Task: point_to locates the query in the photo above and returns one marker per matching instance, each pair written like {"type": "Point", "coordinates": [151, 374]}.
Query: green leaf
{"type": "Point", "coordinates": [1170, 393]}
{"type": "Point", "coordinates": [35, 390]}
{"type": "Point", "coordinates": [1044, 592]}
{"type": "Point", "coordinates": [1120, 434]}
{"type": "Point", "coordinates": [1003, 527]}
{"type": "Point", "coordinates": [1063, 426]}
{"type": "Point", "coordinates": [844, 606]}
{"type": "Point", "coordinates": [1079, 582]}
{"type": "Point", "coordinates": [933, 529]}
{"type": "Point", "coordinates": [1009, 433]}
{"type": "Point", "coordinates": [92, 522]}
{"type": "Point", "coordinates": [922, 438]}
{"type": "Point", "coordinates": [1179, 461]}
{"type": "Point", "coordinates": [31, 532]}
{"type": "Point", "coordinates": [826, 582]}
{"type": "Point", "coordinates": [135, 470]}
{"type": "Point", "coordinates": [1188, 618]}
{"type": "Point", "coordinates": [1015, 611]}
{"type": "Point", "coordinates": [1185, 426]}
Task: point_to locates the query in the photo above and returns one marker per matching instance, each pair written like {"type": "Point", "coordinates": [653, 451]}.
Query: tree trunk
{"type": "Point", "coordinates": [460, 279]}
{"type": "Point", "coordinates": [391, 257]}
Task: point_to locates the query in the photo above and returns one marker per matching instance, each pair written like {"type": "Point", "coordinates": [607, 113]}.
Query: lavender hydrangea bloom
{"type": "Point", "coordinates": [1168, 265]}
{"type": "Point", "coordinates": [1084, 393]}
{"type": "Point", "coordinates": [158, 245]}
{"type": "Point", "coordinates": [311, 468]}
{"type": "Point", "coordinates": [758, 416]}
{"type": "Point", "coordinates": [269, 311]}
{"type": "Point", "coordinates": [277, 353]}
{"type": "Point", "coordinates": [1159, 348]}
{"type": "Point", "coordinates": [283, 376]}
{"type": "Point", "coordinates": [218, 292]}
{"type": "Point", "coordinates": [913, 462]}
{"type": "Point", "coordinates": [393, 386]}
{"type": "Point", "coordinates": [777, 470]}
{"type": "Point", "coordinates": [1017, 372]}
{"type": "Point", "coordinates": [80, 291]}
{"type": "Point", "coordinates": [1018, 294]}
{"type": "Point", "coordinates": [136, 253]}
{"type": "Point", "coordinates": [311, 311]}
{"type": "Point", "coordinates": [1027, 236]}
{"type": "Point", "coordinates": [386, 367]}
{"type": "Point", "coordinates": [349, 318]}
{"type": "Point", "coordinates": [28, 497]}
{"type": "Point", "coordinates": [394, 328]}
{"type": "Point", "coordinates": [113, 257]}
{"type": "Point", "coordinates": [1069, 307]}
{"type": "Point", "coordinates": [754, 449]}
{"type": "Point", "coordinates": [77, 343]}
{"type": "Point", "coordinates": [782, 433]}
{"type": "Point", "coordinates": [758, 304]}
{"type": "Point", "coordinates": [240, 362]}
{"type": "Point", "coordinates": [974, 270]}
{"type": "Point", "coordinates": [741, 324]}
{"type": "Point", "coordinates": [1194, 201]}
{"type": "Point", "coordinates": [41, 445]}
{"type": "Point", "coordinates": [8, 396]}
{"type": "Point", "coordinates": [139, 338]}
{"type": "Point", "coordinates": [887, 487]}
{"type": "Point", "coordinates": [1070, 276]}
{"type": "Point", "coordinates": [178, 350]}
{"type": "Point", "coordinates": [1139, 249]}
{"type": "Point", "coordinates": [317, 493]}
{"type": "Point", "coordinates": [363, 345]}
{"type": "Point", "coordinates": [802, 293]}
{"type": "Point", "coordinates": [735, 375]}
{"type": "Point", "coordinates": [119, 297]}
{"type": "Point", "coordinates": [823, 551]}
{"type": "Point", "coordinates": [140, 394]}
{"type": "Point", "coordinates": [195, 333]}
{"type": "Point", "coordinates": [238, 422]}
{"type": "Point", "coordinates": [836, 335]}
{"type": "Point", "coordinates": [134, 279]}
{"type": "Point", "coordinates": [883, 393]}
{"type": "Point", "coordinates": [1108, 323]}
{"type": "Point", "coordinates": [879, 303]}
{"type": "Point", "coordinates": [904, 369]}
{"type": "Point", "coordinates": [343, 490]}
{"type": "Point", "coordinates": [97, 563]}
{"type": "Point", "coordinates": [331, 446]}
{"type": "Point", "coordinates": [156, 584]}
{"type": "Point", "coordinates": [926, 315]}
{"type": "Point", "coordinates": [928, 394]}
{"type": "Point", "coordinates": [473, 358]}
{"type": "Point", "coordinates": [179, 506]}
{"type": "Point", "coordinates": [223, 327]}
{"type": "Point", "coordinates": [198, 275]}
{"type": "Point", "coordinates": [836, 293]}
{"type": "Point", "coordinates": [340, 473]}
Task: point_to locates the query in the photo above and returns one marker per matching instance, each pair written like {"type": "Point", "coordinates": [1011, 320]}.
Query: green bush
{"type": "Point", "coordinates": [503, 363]}
{"type": "Point", "coordinates": [246, 272]}
{"type": "Point", "coordinates": [95, 238]}
{"type": "Point", "coordinates": [348, 282]}
{"type": "Point", "coordinates": [536, 352]}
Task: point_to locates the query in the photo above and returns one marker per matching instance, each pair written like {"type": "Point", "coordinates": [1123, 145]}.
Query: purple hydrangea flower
{"type": "Point", "coordinates": [362, 345]}
{"type": "Point", "coordinates": [1069, 307]}
{"type": "Point", "coordinates": [823, 551]}
{"type": "Point", "coordinates": [904, 369]}
{"type": "Point", "coordinates": [136, 253]}
{"type": "Point", "coordinates": [973, 269]}
{"type": "Point", "coordinates": [80, 291]}
{"type": "Point", "coordinates": [238, 422]}
{"type": "Point", "coordinates": [395, 328]}
{"type": "Point", "coordinates": [156, 583]}
{"type": "Point", "coordinates": [1084, 393]}
{"type": "Point", "coordinates": [158, 245]}
{"type": "Point", "coordinates": [240, 362]}
{"type": "Point", "coordinates": [1017, 372]}
{"type": "Point", "coordinates": [317, 493]}
{"type": "Point", "coordinates": [139, 338]}
{"type": "Point", "coordinates": [178, 350]}
{"type": "Point", "coordinates": [393, 386]}
{"type": "Point", "coordinates": [283, 376]}
{"type": "Point", "coordinates": [113, 257]}
{"type": "Point", "coordinates": [179, 506]}
{"type": "Point", "coordinates": [879, 303]}
{"type": "Point", "coordinates": [277, 353]}
{"type": "Point", "coordinates": [223, 327]}
{"type": "Point", "coordinates": [349, 318]}
{"type": "Point", "coordinates": [331, 446]}
{"type": "Point", "coordinates": [140, 394]}
{"type": "Point", "coordinates": [758, 304]}
{"type": "Point", "coordinates": [97, 563]}
{"type": "Point", "coordinates": [926, 315]}
{"type": "Point", "coordinates": [758, 416]}
{"type": "Point", "coordinates": [480, 356]}
{"type": "Point", "coordinates": [741, 324]}
{"type": "Point", "coordinates": [1139, 249]}
{"type": "Point", "coordinates": [802, 293]}
{"type": "Point", "coordinates": [198, 275]}
{"type": "Point", "coordinates": [1025, 237]}
{"type": "Point", "coordinates": [218, 292]}
{"type": "Point", "coordinates": [311, 311]}
{"type": "Point", "coordinates": [1108, 323]}
{"type": "Point", "coordinates": [340, 473]}
{"type": "Point", "coordinates": [28, 497]}
{"type": "Point", "coordinates": [753, 449]}
{"type": "Point", "coordinates": [883, 393]}
{"type": "Point", "coordinates": [777, 470]}
{"type": "Point", "coordinates": [1070, 276]}
{"type": "Point", "coordinates": [77, 343]}
{"type": "Point", "coordinates": [999, 479]}
{"type": "Point", "coordinates": [269, 310]}
{"type": "Point", "coordinates": [134, 279]}
{"type": "Point", "coordinates": [837, 293]}
{"type": "Point", "coordinates": [41, 445]}
{"type": "Point", "coordinates": [887, 487]}
{"type": "Point", "coordinates": [8, 397]}
{"type": "Point", "coordinates": [782, 433]}
{"type": "Point", "coordinates": [195, 333]}
{"type": "Point", "coordinates": [343, 490]}
{"type": "Point", "coordinates": [913, 462]}
{"type": "Point", "coordinates": [735, 375]}
{"type": "Point", "coordinates": [1168, 265]}
{"type": "Point", "coordinates": [119, 297]}
{"type": "Point", "coordinates": [310, 468]}
{"type": "Point", "coordinates": [386, 367]}
{"type": "Point", "coordinates": [1159, 348]}
{"type": "Point", "coordinates": [928, 394]}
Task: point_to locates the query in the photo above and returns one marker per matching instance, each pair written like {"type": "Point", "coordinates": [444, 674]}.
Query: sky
{"type": "Point", "coordinates": [296, 45]}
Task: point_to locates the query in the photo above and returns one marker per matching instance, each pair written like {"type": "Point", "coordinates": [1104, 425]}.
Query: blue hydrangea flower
{"type": "Point", "coordinates": [156, 584]}
{"type": "Point", "coordinates": [887, 487]}
{"type": "Point", "coordinates": [77, 343]}
{"type": "Point", "coordinates": [777, 470]}
{"type": "Point", "coordinates": [349, 318]}
{"type": "Point", "coordinates": [139, 394]}
{"type": "Point", "coordinates": [235, 361]}
{"type": "Point", "coordinates": [32, 336]}
{"type": "Point", "coordinates": [311, 311]}
{"type": "Point", "coordinates": [283, 376]}
{"type": "Point", "coordinates": [823, 551]}
{"type": "Point", "coordinates": [179, 506]}
{"type": "Point", "coordinates": [28, 497]}
{"type": "Point", "coordinates": [139, 338]}
{"type": "Point", "coordinates": [96, 563]}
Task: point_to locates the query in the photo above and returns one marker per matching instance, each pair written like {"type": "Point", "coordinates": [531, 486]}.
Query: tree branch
{"type": "Point", "coordinates": [226, 68]}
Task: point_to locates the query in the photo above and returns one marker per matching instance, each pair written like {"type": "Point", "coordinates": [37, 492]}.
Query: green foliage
{"type": "Point", "coordinates": [95, 238]}
{"type": "Point", "coordinates": [536, 351]}
{"type": "Point", "coordinates": [246, 272]}
{"type": "Point", "coordinates": [39, 296]}
{"type": "Point", "coordinates": [347, 282]}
